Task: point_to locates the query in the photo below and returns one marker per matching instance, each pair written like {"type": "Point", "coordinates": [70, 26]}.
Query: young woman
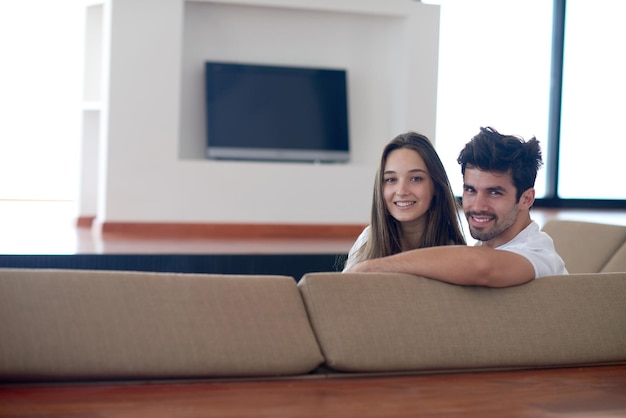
{"type": "Point", "coordinates": [413, 205]}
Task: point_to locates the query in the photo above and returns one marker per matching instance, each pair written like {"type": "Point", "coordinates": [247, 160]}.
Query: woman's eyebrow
{"type": "Point", "coordinates": [413, 170]}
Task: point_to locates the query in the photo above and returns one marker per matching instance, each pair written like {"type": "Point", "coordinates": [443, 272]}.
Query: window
{"type": "Point", "coordinates": [592, 108]}
{"type": "Point", "coordinates": [496, 68]}
{"type": "Point", "coordinates": [41, 43]}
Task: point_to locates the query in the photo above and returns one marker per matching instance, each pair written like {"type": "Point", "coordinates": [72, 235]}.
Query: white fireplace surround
{"type": "Point", "coordinates": [144, 140]}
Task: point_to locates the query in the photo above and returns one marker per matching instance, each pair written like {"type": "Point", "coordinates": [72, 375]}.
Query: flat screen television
{"type": "Point", "coordinates": [276, 113]}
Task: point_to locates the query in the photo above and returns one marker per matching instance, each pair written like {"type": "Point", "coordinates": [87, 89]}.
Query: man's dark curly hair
{"type": "Point", "coordinates": [489, 150]}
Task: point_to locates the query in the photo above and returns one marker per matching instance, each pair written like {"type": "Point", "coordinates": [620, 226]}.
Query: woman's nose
{"type": "Point", "coordinates": [402, 188]}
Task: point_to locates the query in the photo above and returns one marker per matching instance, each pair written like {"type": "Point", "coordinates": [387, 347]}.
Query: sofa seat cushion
{"type": "Point", "coordinates": [383, 322]}
{"type": "Point", "coordinates": [73, 324]}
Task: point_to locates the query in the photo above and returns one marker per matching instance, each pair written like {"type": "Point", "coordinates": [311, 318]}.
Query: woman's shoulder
{"type": "Point", "coordinates": [364, 234]}
{"type": "Point", "coordinates": [361, 239]}
{"type": "Point", "coordinates": [354, 255]}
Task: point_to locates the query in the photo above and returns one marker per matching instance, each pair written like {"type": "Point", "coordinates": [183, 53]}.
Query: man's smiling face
{"type": "Point", "coordinates": [490, 205]}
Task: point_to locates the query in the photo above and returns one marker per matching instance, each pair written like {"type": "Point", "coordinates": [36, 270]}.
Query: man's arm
{"type": "Point", "coordinates": [456, 264]}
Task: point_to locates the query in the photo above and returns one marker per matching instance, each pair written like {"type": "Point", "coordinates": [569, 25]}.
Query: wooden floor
{"type": "Point", "coordinates": [50, 228]}
{"type": "Point", "coordinates": [590, 392]}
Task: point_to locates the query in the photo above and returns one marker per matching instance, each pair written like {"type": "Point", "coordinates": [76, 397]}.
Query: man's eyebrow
{"type": "Point", "coordinates": [496, 189]}
{"type": "Point", "coordinates": [490, 189]}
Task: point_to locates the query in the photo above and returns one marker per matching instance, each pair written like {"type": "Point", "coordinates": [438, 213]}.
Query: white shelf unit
{"type": "Point", "coordinates": [143, 138]}
{"type": "Point", "coordinates": [91, 106]}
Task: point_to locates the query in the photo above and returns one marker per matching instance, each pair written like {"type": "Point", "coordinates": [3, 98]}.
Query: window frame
{"type": "Point", "coordinates": [552, 199]}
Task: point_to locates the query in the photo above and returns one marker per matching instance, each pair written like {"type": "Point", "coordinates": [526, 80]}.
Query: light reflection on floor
{"type": "Point", "coordinates": [48, 227]}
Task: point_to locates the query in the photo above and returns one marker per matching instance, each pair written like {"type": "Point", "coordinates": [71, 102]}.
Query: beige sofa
{"type": "Point", "coordinates": [60, 325]}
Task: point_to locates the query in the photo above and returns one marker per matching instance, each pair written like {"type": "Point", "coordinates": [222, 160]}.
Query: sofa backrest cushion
{"type": "Point", "coordinates": [617, 261]}
{"type": "Point", "coordinates": [73, 324]}
{"type": "Point", "coordinates": [588, 247]}
{"type": "Point", "coordinates": [383, 322]}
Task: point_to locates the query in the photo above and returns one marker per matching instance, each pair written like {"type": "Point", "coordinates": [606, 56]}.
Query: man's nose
{"type": "Point", "coordinates": [480, 202]}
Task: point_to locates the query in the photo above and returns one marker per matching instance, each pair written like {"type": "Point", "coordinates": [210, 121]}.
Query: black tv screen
{"type": "Point", "coordinates": [263, 112]}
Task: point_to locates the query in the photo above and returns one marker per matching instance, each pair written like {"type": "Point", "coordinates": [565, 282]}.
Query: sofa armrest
{"type": "Point", "coordinates": [587, 247]}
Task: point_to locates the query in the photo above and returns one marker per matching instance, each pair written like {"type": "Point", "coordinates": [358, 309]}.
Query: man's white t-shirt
{"type": "Point", "coordinates": [538, 248]}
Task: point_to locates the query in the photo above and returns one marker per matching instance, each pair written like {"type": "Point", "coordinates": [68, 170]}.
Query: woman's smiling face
{"type": "Point", "coordinates": [408, 188]}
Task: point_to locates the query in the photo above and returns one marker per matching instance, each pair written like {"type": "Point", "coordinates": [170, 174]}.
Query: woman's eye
{"type": "Point", "coordinates": [417, 179]}
{"type": "Point", "coordinates": [389, 180]}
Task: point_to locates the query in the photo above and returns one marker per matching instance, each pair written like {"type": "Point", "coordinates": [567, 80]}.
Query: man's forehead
{"type": "Point", "coordinates": [487, 178]}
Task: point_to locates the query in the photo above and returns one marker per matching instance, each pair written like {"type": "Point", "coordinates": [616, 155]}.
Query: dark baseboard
{"type": "Point", "coordinates": [294, 265]}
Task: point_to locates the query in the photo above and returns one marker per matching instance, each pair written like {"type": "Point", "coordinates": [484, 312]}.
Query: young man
{"type": "Point", "coordinates": [499, 173]}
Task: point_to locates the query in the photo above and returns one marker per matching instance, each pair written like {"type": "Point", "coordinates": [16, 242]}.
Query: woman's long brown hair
{"type": "Point", "coordinates": [443, 223]}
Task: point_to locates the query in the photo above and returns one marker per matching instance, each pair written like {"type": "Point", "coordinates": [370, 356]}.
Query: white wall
{"type": "Point", "coordinates": [150, 165]}
{"type": "Point", "coordinates": [40, 44]}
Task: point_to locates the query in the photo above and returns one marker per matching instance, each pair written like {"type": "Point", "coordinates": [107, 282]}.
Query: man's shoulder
{"type": "Point", "coordinates": [529, 236]}
{"type": "Point", "coordinates": [538, 247]}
